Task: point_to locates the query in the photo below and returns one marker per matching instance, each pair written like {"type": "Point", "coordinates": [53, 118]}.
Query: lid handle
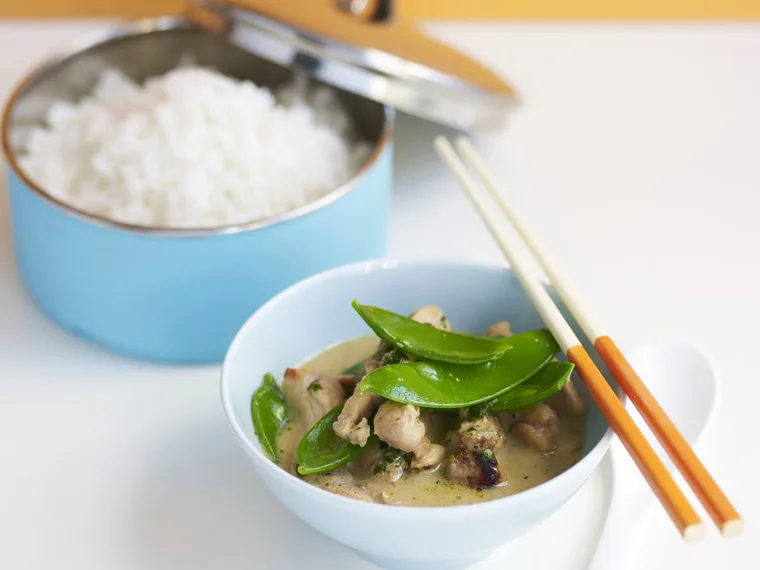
{"type": "Point", "coordinates": [368, 10]}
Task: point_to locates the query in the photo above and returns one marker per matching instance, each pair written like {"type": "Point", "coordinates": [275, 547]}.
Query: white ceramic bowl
{"type": "Point", "coordinates": [316, 313]}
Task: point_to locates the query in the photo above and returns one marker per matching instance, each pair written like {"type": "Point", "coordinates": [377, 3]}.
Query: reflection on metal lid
{"type": "Point", "coordinates": [357, 45]}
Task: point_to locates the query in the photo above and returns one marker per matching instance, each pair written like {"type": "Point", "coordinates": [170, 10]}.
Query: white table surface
{"type": "Point", "coordinates": [634, 155]}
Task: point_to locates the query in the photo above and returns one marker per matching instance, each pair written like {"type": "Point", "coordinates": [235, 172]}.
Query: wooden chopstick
{"type": "Point", "coordinates": [693, 470]}
{"type": "Point", "coordinates": [656, 474]}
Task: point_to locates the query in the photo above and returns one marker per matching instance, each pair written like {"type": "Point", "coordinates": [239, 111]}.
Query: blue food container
{"type": "Point", "coordinates": [179, 295]}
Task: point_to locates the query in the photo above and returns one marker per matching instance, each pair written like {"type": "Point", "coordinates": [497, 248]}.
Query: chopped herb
{"type": "Point", "coordinates": [488, 453]}
{"type": "Point", "coordinates": [392, 458]}
{"type": "Point", "coordinates": [525, 477]}
{"type": "Point", "coordinates": [451, 458]}
{"type": "Point", "coordinates": [315, 386]}
{"type": "Point", "coordinates": [478, 411]}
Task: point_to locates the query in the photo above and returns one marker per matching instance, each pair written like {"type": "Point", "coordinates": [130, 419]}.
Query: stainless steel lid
{"type": "Point", "coordinates": [359, 46]}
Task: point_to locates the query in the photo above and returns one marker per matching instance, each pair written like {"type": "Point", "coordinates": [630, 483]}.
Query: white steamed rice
{"type": "Point", "coordinates": [193, 148]}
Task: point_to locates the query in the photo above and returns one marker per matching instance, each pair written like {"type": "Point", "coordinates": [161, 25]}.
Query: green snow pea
{"type": "Point", "coordinates": [429, 342]}
{"type": "Point", "coordinates": [269, 413]}
{"type": "Point", "coordinates": [447, 385]}
{"type": "Point", "coordinates": [542, 385]}
{"type": "Point", "coordinates": [322, 450]}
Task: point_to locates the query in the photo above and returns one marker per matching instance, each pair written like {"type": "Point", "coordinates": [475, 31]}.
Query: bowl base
{"type": "Point", "coordinates": [390, 563]}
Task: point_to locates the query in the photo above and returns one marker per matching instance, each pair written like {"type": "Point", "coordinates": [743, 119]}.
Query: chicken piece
{"type": "Point", "coordinates": [485, 433]}
{"type": "Point", "coordinates": [502, 328]}
{"type": "Point", "coordinates": [509, 419]}
{"type": "Point", "coordinates": [475, 463]}
{"type": "Point", "coordinates": [313, 394]}
{"type": "Point", "coordinates": [478, 469]}
{"type": "Point", "coordinates": [352, 423]}
{"type": "Point", "coordinates": [370, 365]}
{"type": "Point", "coordinates": [400, 426]}
{"type": "Point", "coordinates": [428, 457]}
{"type": "Point", "coordinates": [538, 427]}
{"type": "Point", "coordinates": [568, 400]}
{"type": "Point", "coordinates": [432, 316]}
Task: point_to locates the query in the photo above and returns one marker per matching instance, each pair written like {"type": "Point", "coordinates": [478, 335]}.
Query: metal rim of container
{"type": "Point", "coordinates": [137, 28]}
{"type": "Point", "coordinates": [386, 78]}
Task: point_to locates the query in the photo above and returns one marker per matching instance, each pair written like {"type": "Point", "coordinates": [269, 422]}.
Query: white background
{"type": "Point", "coordinates": [635, 155]}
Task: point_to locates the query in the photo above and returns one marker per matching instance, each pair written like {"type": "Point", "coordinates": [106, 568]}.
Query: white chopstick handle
{"type": "Point", "coordinates": [544, 304]}
{"type": "Point", "coordinates": [544, 260]}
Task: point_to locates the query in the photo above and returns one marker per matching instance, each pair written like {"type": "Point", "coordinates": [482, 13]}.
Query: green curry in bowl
{"type": "Point", "coordinates": [417, 414]}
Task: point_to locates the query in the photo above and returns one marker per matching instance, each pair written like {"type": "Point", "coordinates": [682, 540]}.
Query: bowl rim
{"type": "Point", "coordinates": [426, 513]}
{"type": "Point", "coordinates": [134, 30]}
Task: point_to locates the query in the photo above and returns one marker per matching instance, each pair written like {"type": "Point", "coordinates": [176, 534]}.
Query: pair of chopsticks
{"type": "Point", "coordinates": [656, 474]}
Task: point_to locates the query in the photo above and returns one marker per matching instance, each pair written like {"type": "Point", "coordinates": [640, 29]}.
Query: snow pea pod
{"type": "Point", "coordinates": [269, 413]}
{"type": "Point", "coordinates": [429, 342]}
{"type": "Point", "coordinates": [446, 385]}
{"type": "Point", "coordinates": [542, 385]}
{"type": "Point", "coordinates": [322, 450]}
